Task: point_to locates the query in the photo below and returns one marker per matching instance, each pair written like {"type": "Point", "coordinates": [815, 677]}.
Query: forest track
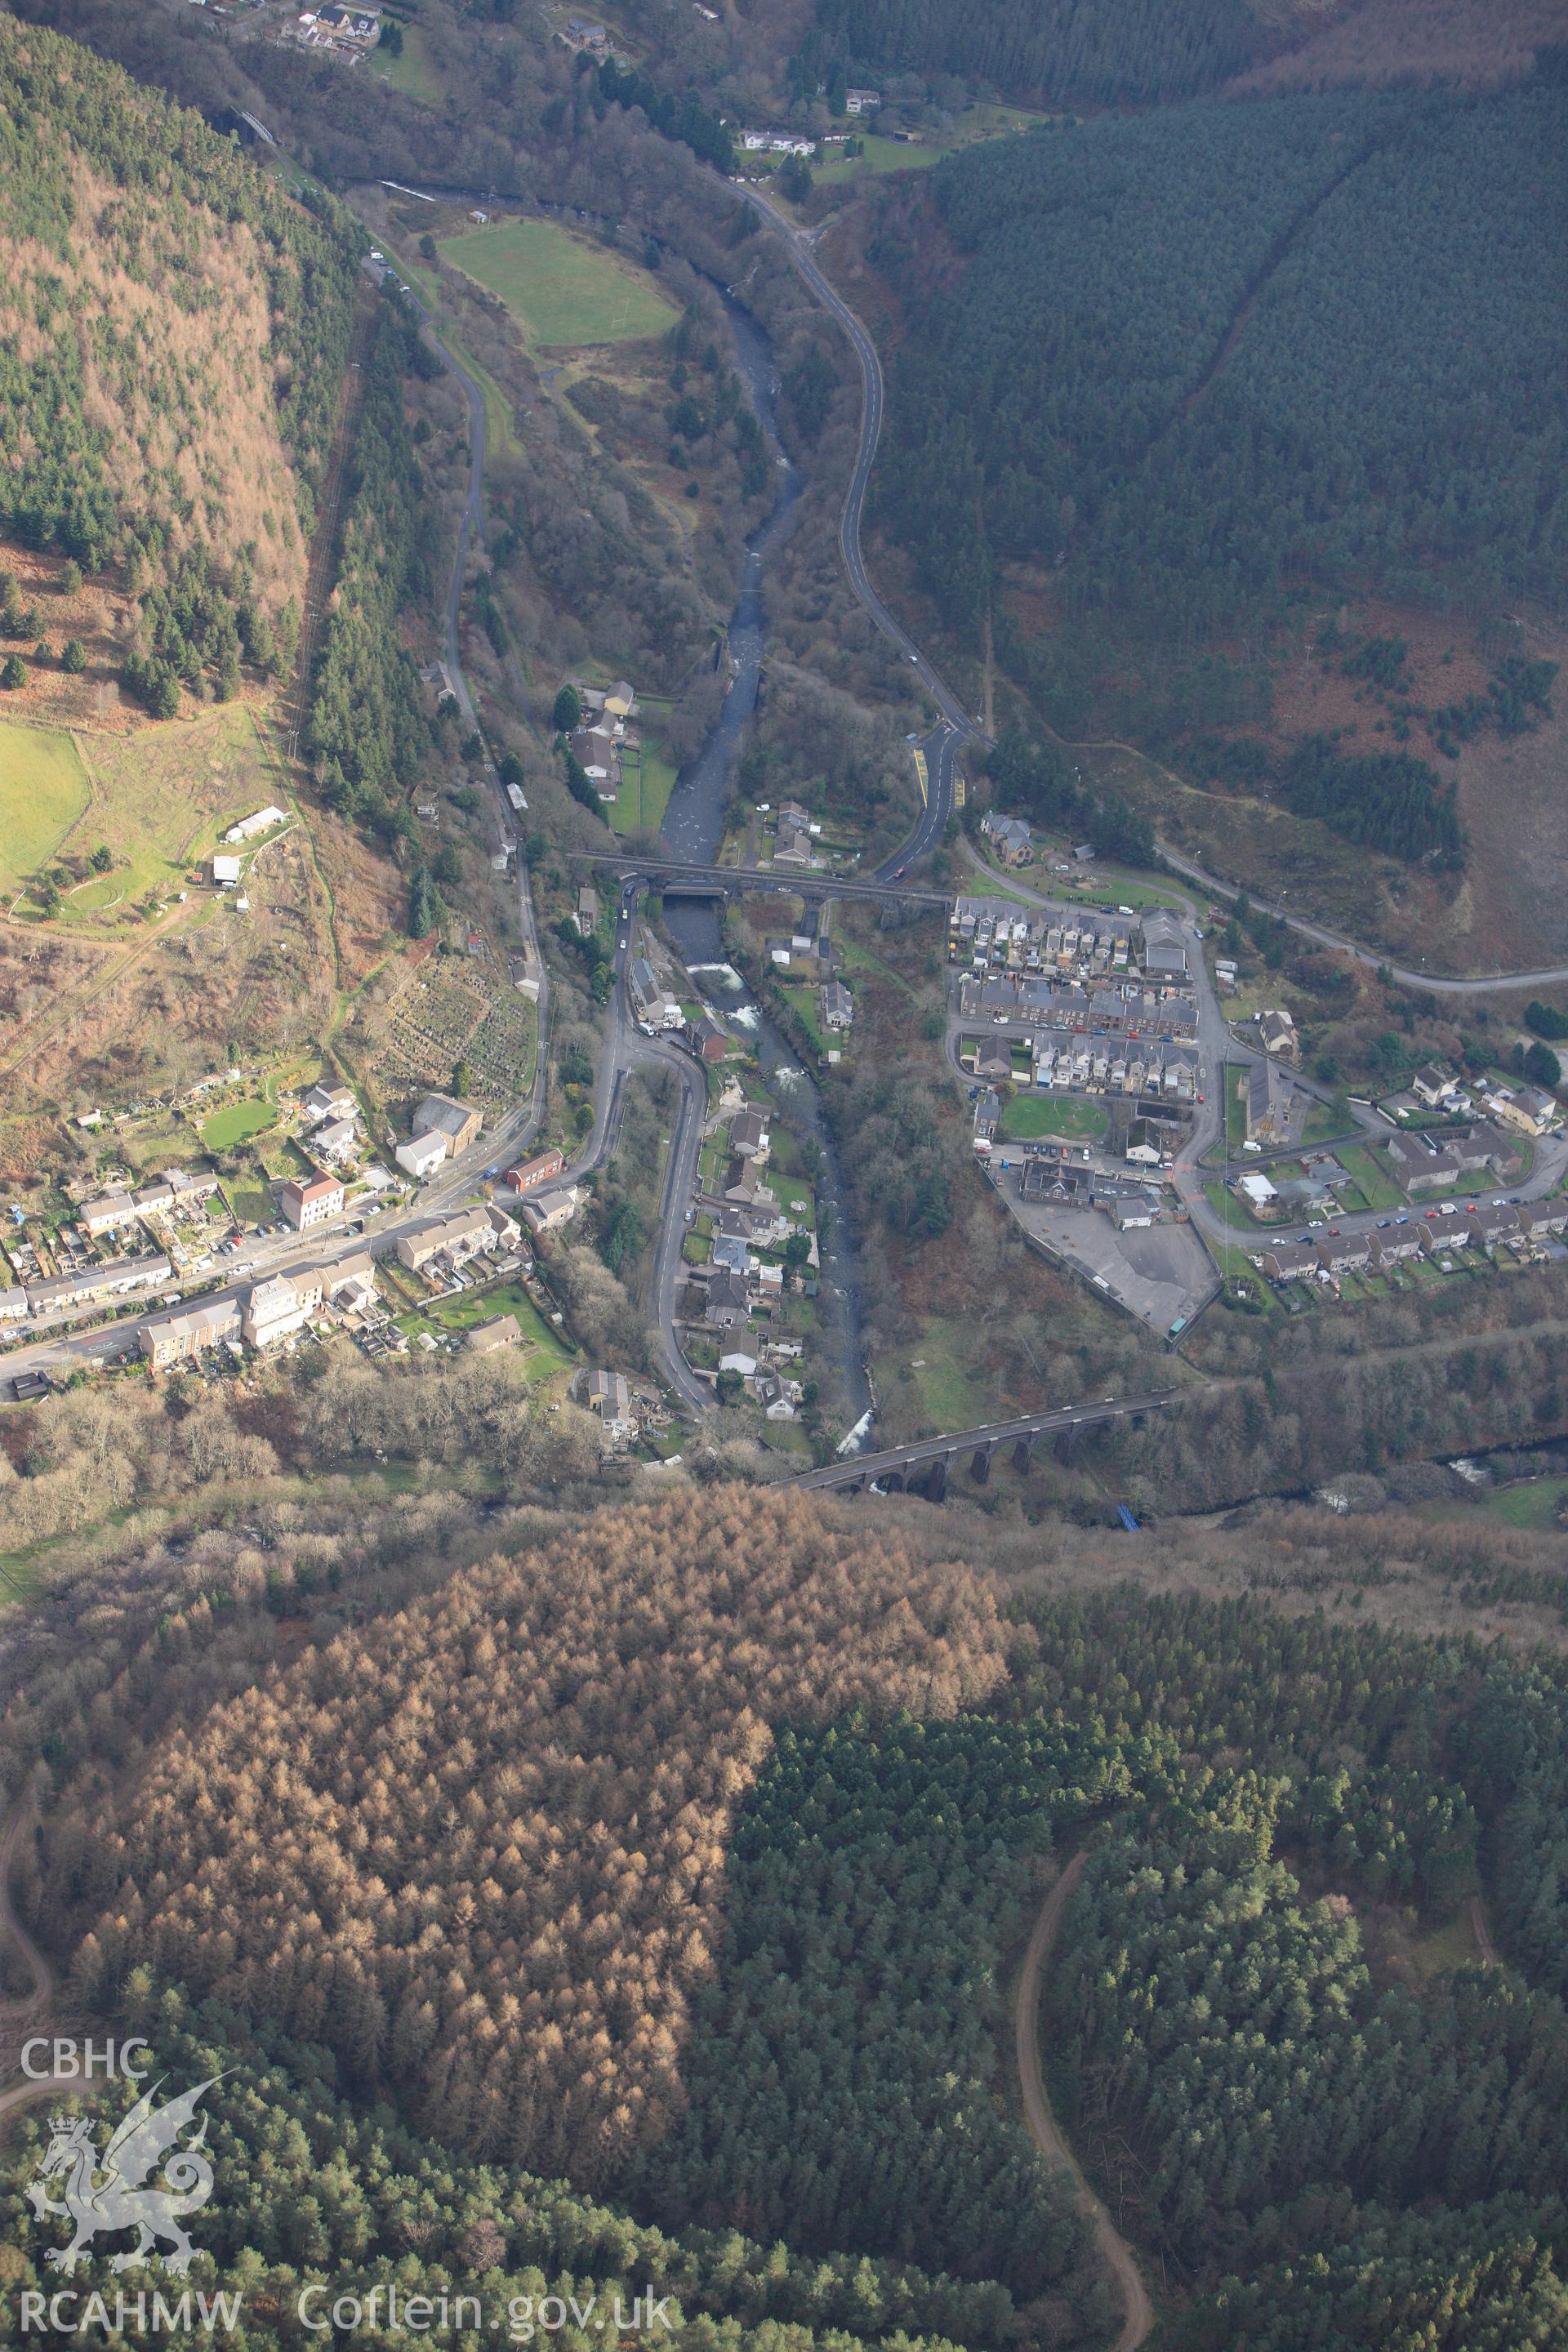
{"type": "Point", "coordinates": [26, 2008]}
{"type": "Point", "coordinates": [1047, 2133]}
{"type": "Point", "coordinates": [1483, 1933]}
{"type": "Point", "coordinates": [32, 2013]}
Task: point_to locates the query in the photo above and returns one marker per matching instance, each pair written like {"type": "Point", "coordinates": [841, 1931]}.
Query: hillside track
{"type": "Point", "coordinates": [1047, 2133]}
{"type": "Point", "coordinates": [34, 2012]}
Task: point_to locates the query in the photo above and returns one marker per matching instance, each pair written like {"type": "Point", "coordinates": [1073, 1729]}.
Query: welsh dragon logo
{"type": "Point", "coordinates": [105, 2193]}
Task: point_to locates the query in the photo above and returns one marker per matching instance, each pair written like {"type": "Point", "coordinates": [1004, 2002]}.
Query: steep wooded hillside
{"type": "Point", "coordinates": [1098, 51]}
{"type": "Point", "coordinates": [1188, 367]}
{"type": "Point", "coordinates": [1277, 2024]}
{"type": "Point", "coordinates": [1109, 52]}
{"type": "Point", "coordinates": [481, 1845]}
{"type": "Point", "coordinates": [173, 333]}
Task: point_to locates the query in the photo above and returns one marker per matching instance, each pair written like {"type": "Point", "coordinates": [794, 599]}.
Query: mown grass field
{"type": "Point", "coordinates": [1028, 1116]}
{"type": "Point", "coordinates": [802, 998]}
{"type": "Point", "coordinates": [1376, 1189]}
{"type": "Point", "coordinates": [249, 1200]}
{"type": "Point", "coordinates": [44, 789]}
{"type": "Point", "coordinates": [564, 291]}
{"type": "Point", "coordinates": [879, 156]}
{"type": "Point", "coordinates": [645, 789]}
{"type": "Point", "coordinates": [235, 1122]}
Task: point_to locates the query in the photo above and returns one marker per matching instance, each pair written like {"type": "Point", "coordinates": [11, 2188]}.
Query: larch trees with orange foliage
{"type": "Point", "coordinates": [478, 1847]}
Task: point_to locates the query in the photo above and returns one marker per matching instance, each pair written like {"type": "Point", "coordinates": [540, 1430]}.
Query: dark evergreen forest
{"type": "Point", "coordinates": [1200, 362]}
{"type": "Point", "coordinates": [366, 730]}
{"type": "Point", "coordinates": [1098, 52]}
{"type": "Point", "coordinates": [1313, 2150]}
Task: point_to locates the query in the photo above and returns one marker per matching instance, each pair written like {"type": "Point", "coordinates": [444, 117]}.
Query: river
{"type": "Point", "coordinates": [693, 825]}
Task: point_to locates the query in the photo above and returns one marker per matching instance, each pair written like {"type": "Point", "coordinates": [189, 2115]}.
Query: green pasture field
{"type": "Point", "coordinates": [414, 72]}
{"type": "Point", "coordinates": [879, 156]}
{"type": "Point", "coordinates": [1533, 1503]}
{"type": "Point", "coordinates": [236, 1122]}
{"type": "Point", "coordinates": [564, 291]}
{"type": "Point", "coordinates": [1028, 1116]}
{"type": "Point", "coordinates": [44, 788]}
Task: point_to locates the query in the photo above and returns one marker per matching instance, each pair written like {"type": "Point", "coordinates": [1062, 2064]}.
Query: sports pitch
{"type": "Point", "coordinates": [564, 291]}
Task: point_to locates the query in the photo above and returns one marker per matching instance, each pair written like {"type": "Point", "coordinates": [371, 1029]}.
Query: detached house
{"type": "Point", "coordinates": [1277, 1032]}
{"type": "Point", "coordinates": [749, 1137]}
{"type": "Point", "coordinates": [1010, 838]}
{"type": "Point", "coordinates": [727, 1300]}
{"type": "Point", "coordinates": [1432, 1085]}
{"type": "Point", "coordinates": [707, 1040]}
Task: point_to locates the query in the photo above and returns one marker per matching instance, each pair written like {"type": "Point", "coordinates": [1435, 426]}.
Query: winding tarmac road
{"type": "Point", "coordinates": [956, 725]}
{"type": "Point", "coordinates": [1046, 2132]}
{"type": "Point", "coordinates": [68, 1350]}
{"type": "Point", "coordinates": [1495, 983]}
{"type": "Point", "coordinates": [960, 726]}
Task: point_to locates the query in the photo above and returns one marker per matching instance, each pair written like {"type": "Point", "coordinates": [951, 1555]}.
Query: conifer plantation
{"type": "Point", "coordinates": [1198, 365]}
{"type": "Point", "coordinates": [644, 1901]}
{"type": "Point", "coordinates": [173, 329]}
{"type": "Point", "coordinates": [574, 1861]}
{"type": "Point", "coordinates": [479, 1848]}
